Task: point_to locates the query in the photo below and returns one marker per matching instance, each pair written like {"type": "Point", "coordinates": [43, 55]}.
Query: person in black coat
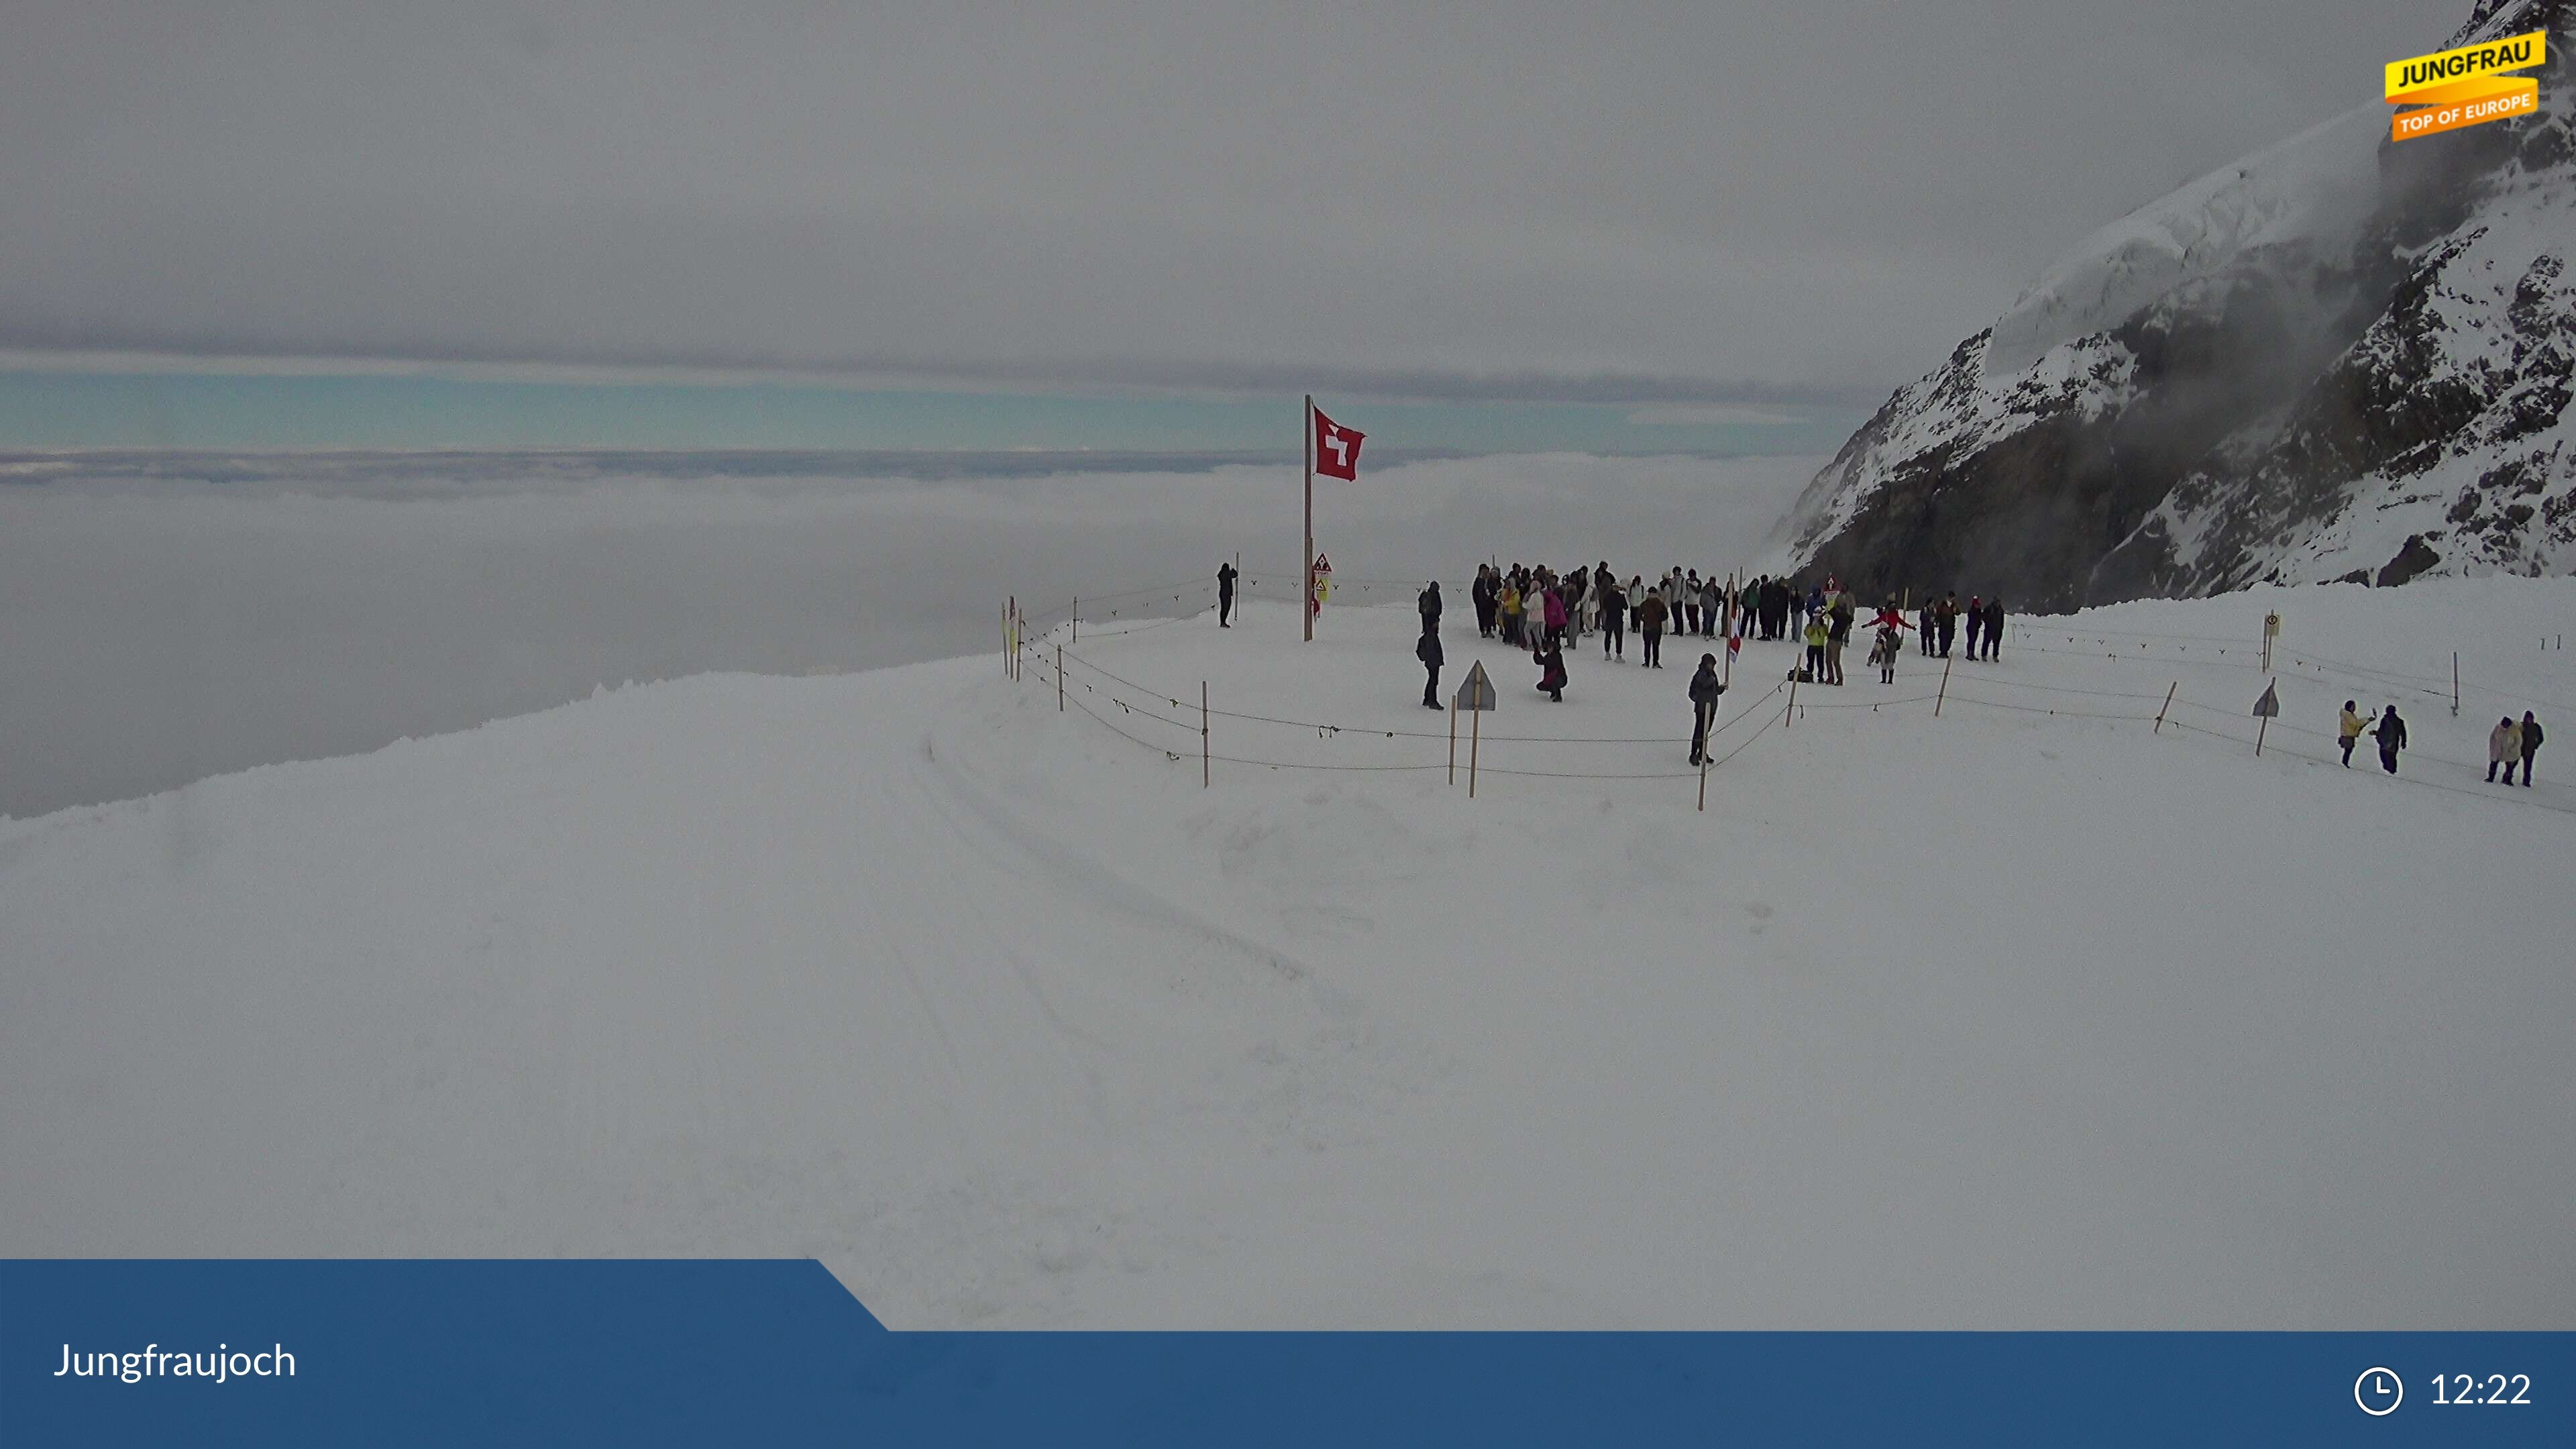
{"type": "Point", "coordinates": [2392, 738]}
{"type": "Point", "coordinates": [1551, 670]}
{"type": "Point", "coordinates": [1225, 594]}
{"type": "Point", "coordinates": [2530, 745]}
{"type": "Point", "coordinates": [1704, 690]}
{"type": "Point", "coordinates": [1428, 651]}
{"type": "Point", "coordinates": [1994, 626]}
{"type": "Point", "coordinates": [1429, 603]}
{"type": "Point", "coordinates": [1481, 594]}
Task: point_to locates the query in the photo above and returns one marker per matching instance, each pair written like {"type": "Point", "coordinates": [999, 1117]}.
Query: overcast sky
{"type": "Point", "coordinates": [1612, 201]}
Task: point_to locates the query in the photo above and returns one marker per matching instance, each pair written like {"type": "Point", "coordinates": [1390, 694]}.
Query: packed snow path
{"type": "Point", "coordinates": [2000, 1019]}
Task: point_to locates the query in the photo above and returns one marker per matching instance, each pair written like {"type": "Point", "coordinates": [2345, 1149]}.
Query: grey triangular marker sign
{"type": "Point", "coordinates": [2269, 706]}
{"type": "Point", "coordinates": [1476, 691]}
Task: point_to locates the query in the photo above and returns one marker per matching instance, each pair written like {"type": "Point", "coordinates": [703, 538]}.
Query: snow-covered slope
{"type": "Point", "coordinates": [2027, 1014]}
{"type": "Point", "coordinates": [2339, 358]}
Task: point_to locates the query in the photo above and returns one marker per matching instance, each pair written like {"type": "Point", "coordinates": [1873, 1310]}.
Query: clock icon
{"type": "Point", "coordinates": [2378, 1391]}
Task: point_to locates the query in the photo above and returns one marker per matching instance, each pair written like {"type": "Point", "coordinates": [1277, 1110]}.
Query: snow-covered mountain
{"type": "Point", "coordinates": [2340, 358]}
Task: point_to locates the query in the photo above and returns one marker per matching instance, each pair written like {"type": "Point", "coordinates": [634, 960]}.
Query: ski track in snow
{"type": "Point", "coordinates": [2004, 1019]}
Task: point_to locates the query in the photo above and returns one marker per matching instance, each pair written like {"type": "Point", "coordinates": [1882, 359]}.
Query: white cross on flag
{"type": "Point", "coordinates": [1337, 449]}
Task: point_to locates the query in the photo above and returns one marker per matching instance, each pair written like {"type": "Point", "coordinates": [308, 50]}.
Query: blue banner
{"type": "Point", "coordinates": [776, 1352]}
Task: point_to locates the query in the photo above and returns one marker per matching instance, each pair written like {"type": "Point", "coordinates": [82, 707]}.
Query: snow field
{"type": "Point", "coordinates": [1997, 1019]}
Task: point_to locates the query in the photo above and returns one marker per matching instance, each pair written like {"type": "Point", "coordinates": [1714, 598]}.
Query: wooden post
{"type": "Point", "coordinates": [1475, 734]}
{"type": "Point", "coordinates": [1306, 601]}
{"type": "Point", "coordinates": [1703, 771]}
{"type": "Point", "coordinates": [1790, 716]}
{"type": "Point", "coordinates": [1059, 677]}
{"type": "Point", "coordinates": [1453, 740]}
{"type": "Point", "coordinates": [1945, 687]}
{"type": "Point", "coordinates": [1203, 735]}
{"type": "Point", "coordinates": [1077, 618]}
{"type": "Point", "coordinates": [2455, 684]}
{"type": "Point", "coordinates": [2260, 727]}
{"type": "Point", "coordinates": [2168, 704]}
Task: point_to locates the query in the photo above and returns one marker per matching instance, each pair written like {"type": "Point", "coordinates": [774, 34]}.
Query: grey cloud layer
{"type": "Point", "coordinates": [1651, 202]}
{"type": "Point", "coordinates": [162, 628]}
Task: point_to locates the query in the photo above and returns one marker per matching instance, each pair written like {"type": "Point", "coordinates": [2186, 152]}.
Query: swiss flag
{"type": "Point", "coordinates": [1337, 448]}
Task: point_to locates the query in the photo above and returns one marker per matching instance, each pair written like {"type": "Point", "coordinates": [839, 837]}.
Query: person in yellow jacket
{"type": "Point", "coordinates": [1511, 612]}
{"type": "Point", "coordinates": [1815, 634]}
{"type": "Point", "coordinates": [2354, 727]}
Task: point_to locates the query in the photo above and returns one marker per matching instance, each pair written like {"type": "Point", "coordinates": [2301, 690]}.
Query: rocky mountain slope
{"type": "Point", "coordinates": [2340, 358]}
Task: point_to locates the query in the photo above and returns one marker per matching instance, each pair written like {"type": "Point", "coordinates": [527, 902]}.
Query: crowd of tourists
{"type": "Point", "coordinates": [1540, 610]}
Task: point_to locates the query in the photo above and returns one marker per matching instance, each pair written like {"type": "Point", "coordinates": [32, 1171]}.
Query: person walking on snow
{"type": "Point", "coordinates": [2530, 745]}
{"type": "Point", "coordinates": [1614, 621]}
{"type": "Point", "coordinates": [1428, 603]}
{"type": "Point", "coordinates": [1225, 577]}
{"type": "Point", "coordinates": [2504, 747]}
{"type": "Point", "coordinates": [1551, 671]}
{"type": "Point", "coordinates": [2391, 735]}
{"type": "Point", "coordinates": [1976, 622]}
{"type": "Point", "coordinates": [1704, 690]}
{"type": "Point", "coordinates": [1650, 628]}
{"type": "Point", "coordinates": [1428, 651]}
{"type": "Point", "coordinates": [2351, 730]}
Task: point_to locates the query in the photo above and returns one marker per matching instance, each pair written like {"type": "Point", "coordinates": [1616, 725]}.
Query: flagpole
{"type": "Point", "coordinates": [1307, 604]}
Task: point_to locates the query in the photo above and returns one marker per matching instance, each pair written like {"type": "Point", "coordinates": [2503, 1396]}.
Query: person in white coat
{"type": "Point", "coordinates": [2504, 747]}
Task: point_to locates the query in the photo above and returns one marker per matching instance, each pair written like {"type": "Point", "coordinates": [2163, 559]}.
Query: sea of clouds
{"type": "Point", "coordinates": [165, 617]}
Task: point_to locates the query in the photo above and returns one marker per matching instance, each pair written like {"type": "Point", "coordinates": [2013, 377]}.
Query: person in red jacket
{"type": "Point", "coordinates": [1890, 619]}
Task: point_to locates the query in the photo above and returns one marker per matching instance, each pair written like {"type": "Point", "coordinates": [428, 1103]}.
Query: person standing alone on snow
{"type": "Point", "coordinates": [1650, 627]}
{"type": "Point", "coordinates": [1225, 594]}
{"type": "Point", "coordinates": [1428, 602]}
{"type": "Point", "coordinates": [2351, 731]}
{"type": "Point", "coordinates": [2530, 744]}
{"type": "Point", "coordinates": [2392, 738]}
{"type": "Point", "coordinates": [2504, 747]}
{"type": "Point", "coordinates": [1704, 690]}
{"type": "Point", "coordinates": [1428, 651]}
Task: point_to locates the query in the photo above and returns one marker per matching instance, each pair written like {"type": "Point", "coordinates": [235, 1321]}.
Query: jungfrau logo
{"type": "Point", "coordinates": [2465, 87]}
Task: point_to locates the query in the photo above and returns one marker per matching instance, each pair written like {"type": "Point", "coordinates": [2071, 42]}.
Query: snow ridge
{"type": "Point", "coordinates": [2340, 358]}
